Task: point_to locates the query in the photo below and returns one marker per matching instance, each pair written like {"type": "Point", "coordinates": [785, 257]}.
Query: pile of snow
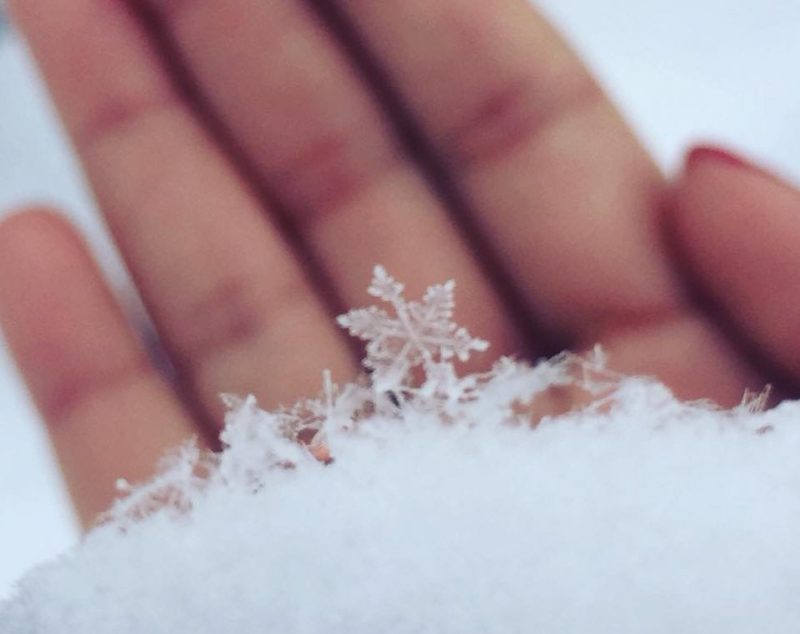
{"type": "Point", "coordinates": [450, 505]}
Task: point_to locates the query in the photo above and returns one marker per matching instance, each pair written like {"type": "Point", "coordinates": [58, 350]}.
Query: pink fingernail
{"type": "Point", "coordinates": [703, 153]}
{"type": "Point", "coordinates": [713, 154]}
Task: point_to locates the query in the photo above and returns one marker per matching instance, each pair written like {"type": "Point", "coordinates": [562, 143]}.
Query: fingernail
{"type": "Point", "coordinates": [713, 154]}
{"type": "Point", "coordinates": [703, 153]}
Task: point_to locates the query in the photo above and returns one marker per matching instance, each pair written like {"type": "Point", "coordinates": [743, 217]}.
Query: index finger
{"type": "Point", "coordinates": [545, 164]}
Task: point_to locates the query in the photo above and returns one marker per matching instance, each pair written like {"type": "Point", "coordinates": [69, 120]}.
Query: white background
{"type": "Point", "coordinates": [718, 70]}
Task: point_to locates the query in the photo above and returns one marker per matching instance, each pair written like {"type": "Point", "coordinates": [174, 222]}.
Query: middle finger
{"type": "Point", "coordinates": [314, 133]}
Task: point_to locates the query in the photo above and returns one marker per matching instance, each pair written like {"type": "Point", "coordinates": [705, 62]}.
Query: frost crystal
{"type": "Point", "coordinates": [417, 333]}
{"type": "Point", "coordinates": [418, 500]}
{"type": "Point", "coordinates": [418, 336]}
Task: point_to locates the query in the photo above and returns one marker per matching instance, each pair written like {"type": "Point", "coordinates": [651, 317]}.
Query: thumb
{"type": "Point", "coordinates": [736, 229]}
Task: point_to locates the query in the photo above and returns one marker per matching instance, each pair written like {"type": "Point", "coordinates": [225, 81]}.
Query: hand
{"type": "Point", "coordinates": [255, 159]}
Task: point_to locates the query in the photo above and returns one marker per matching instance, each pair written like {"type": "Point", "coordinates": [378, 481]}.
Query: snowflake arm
{"type": "Point", "coordinates": [417, 333]}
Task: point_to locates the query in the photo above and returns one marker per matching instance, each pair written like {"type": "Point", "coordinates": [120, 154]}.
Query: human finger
{"type": "Point", "coordinates": [109, 413]}
{"type": "Point", "coordinates": [321, 143]}
{"type": "Point", "coordinates": [563, 192]}
{"type": "Point", "coordinates": [737, 227]}
{"type": "Point", "coordinates": [231, 302]}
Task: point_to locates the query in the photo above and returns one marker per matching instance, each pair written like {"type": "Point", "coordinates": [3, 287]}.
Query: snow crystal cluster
{"type": "Point", "coordinates": [419, 501]}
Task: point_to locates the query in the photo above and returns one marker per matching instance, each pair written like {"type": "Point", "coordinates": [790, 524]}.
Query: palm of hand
{"type": "Point", "coordinates": [255, 160]}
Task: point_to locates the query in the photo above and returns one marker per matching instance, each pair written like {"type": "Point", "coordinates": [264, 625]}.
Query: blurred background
{"type": "Point", "coordinates": [723, 71]}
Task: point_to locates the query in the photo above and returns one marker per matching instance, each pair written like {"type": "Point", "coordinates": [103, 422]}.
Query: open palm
{"type": "Point", "coordinates": [255, 158]}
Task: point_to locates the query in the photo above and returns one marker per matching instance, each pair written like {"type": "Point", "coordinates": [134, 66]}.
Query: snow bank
{"type": "Point", "coordinates": [450, 507]}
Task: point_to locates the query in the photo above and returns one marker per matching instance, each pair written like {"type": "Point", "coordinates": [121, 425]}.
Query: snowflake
{"type": "Point", "coordinates": [414, 334]}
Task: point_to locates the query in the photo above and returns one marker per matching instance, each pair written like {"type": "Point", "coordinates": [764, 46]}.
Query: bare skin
{"type": "Point", "coordinates": [254, 159]}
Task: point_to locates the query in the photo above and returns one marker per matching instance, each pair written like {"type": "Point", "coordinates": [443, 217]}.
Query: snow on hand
{"type": "Point", "coordinates": [449, 505]}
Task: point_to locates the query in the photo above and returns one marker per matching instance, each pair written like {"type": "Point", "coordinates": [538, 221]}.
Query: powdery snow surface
{"type": "Point", "coordinates": [388, 507]}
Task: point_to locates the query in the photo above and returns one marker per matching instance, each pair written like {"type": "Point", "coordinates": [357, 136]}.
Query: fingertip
{"type": "Point", "coordinates": [20, 216]}
{"type": "Point", "coordinates": [27, 227]}
{"type": "Point", "coordinates": [734, 227]}
{"type": "Point", "coordinates": [37, 244]}
{"type": "Point", "coordinates": [718, 188]}
{"type": "Point", "coordinates": [700, 156]}
{"type": "Point", "coordinates": [705, 159]}
{"type": "Point", "coordinates": [58, 317]}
